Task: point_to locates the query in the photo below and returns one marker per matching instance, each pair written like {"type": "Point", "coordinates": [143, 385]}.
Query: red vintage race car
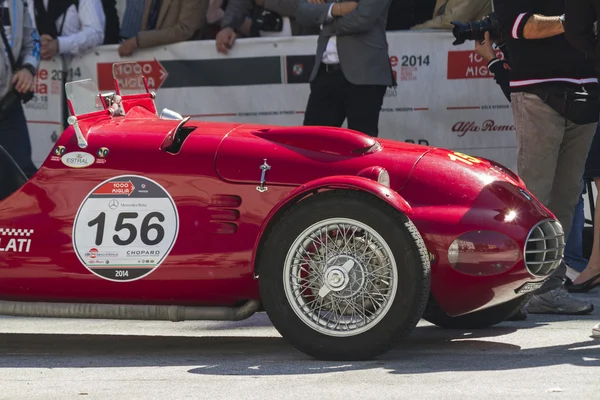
{"type": "Point", "coordinates": [346, 241]}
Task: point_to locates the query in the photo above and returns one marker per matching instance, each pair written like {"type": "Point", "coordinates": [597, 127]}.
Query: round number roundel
{"type": "Point", "coordinates": [125, 228]}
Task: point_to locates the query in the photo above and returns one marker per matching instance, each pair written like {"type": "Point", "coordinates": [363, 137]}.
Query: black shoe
{"type": "Point", "coordinates": [584, 287]}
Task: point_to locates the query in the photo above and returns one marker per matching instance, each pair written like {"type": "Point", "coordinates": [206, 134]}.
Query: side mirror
{"type": "Point", "coordinates": [170, 114]}
{"type": "Point", "coordinates": [81, 139]}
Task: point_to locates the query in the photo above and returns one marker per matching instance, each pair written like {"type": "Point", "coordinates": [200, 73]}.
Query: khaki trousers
{"type": "Point", "coordinates": [551, 160]}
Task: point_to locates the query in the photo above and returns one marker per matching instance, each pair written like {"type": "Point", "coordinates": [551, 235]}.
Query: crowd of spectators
{"type": "Point", "coordinates": [71, 27]}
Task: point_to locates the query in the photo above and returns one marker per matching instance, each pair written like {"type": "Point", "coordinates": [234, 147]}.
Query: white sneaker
{"type": "Point", "coordinates": [596, 331]}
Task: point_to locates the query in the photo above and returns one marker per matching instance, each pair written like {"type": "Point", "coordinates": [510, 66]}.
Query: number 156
{"type": "Point", "coordinates": [145, 228]}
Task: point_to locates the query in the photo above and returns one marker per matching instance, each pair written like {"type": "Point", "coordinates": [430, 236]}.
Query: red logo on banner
{"type": "Point", "coordinates": [129, 75]}
{"type": "Point", "coordinates": [41, 81]}
{"type": "Point", "coordinates": [468, 65]}
{"type": "Point", "coordinates": [394, 64]}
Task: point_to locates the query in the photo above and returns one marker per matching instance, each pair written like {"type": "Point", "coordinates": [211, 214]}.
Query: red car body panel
{"type": "Point", "coordinates": [213, 181]}
{"type": "Point", "coordinates": [298, 156]}
{"type": "Point", "coordinates": [474, 198]}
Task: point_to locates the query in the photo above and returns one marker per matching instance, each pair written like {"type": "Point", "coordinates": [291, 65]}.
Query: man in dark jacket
{"type": "Point", "coordinates": [551, 149]}
{"type": "Point", "coordinates": [500, 69]}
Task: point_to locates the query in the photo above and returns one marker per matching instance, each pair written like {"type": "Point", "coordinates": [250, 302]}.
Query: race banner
{"type": "Point", "coordinates": [445, 97]}
{"type": "Point", "coordinates": [44, 111]}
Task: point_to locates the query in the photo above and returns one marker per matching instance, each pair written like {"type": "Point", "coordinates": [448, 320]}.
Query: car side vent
{"type": "Point", "coordinates": [179, 138]}
{"type": "Point", "coordinates": [175, 138]}
{"type": "Point", "coordinates": [544, 248]}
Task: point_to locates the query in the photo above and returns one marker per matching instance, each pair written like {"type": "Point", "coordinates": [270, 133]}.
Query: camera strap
{"type": "Point", "coordinates": [11, 57]}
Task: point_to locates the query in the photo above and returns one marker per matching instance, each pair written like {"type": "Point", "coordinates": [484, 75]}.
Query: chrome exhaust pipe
{"type": "Point", "coordinates": [127, 311]}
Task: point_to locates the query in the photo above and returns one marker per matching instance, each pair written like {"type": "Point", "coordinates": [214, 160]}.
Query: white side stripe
{"type": "Point", "coordinates": [535, 81]}
{"type": "Point", "coordinates": [515, 29]}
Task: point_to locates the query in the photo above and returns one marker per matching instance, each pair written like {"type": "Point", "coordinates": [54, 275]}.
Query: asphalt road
{"type": "Point", "coordinates": [545, 357]}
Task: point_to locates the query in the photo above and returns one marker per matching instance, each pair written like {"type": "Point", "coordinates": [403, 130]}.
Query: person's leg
{"type": "Point", "coordinates": [566, 192]}
{"type": "Point", "coordinates": [540, 133]}
{"type": "Point", "coordinates": [363, 106]}
{"type": "Point", "coordinates": [325, 105]}
{"type": "Point", "coordinates": [568, 184]}
{"type": "Point", "coordinates": [14, 137]}
{"type": "Point", "coordinates": [574, 246]}
{"type": "Point", "coordinates": [593, 267]}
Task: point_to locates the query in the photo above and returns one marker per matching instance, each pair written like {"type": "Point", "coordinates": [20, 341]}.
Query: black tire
{"type": "Point", "coordinates": [478, 319]}
{"type": "Point", "coordinates": [412, 266]}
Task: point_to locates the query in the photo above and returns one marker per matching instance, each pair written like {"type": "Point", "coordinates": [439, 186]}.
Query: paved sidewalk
{"type": "Point", "coordinates": [545, 357]}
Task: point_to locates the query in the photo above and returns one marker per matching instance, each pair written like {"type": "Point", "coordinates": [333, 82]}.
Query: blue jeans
{"type": "Point", "coordinates": [573, 250]}
{"type": "Point", "coordinates": [14, 137]}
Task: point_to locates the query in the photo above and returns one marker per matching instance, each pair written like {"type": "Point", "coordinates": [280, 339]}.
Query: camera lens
{"type": "Point", "coordinates": [475, 30]}
{"type": "Point", "coordinates": [462, 32]}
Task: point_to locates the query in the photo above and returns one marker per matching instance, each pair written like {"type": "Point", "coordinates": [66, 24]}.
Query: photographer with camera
{"type": "Point", "coordinates": [554, 93]}
{"type": "Point", "coordinates": [20, 58]}
{"type": "Point", "coordinates": [500, 68]}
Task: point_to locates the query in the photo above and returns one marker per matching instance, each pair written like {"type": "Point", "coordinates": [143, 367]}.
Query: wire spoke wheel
{"type": "Point", "coordinates": [340, 277]}
{"type": "Point", "coordinates": [343, 275]}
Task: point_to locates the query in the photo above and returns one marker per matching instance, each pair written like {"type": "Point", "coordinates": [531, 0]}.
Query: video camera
{"type": "Point", "coordinates": [475, 30]}
{"type": "Point", "coordinates": [265, 20]}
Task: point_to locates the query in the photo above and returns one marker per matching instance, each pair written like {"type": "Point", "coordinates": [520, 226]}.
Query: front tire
{"type": "Point", "coordinates": [343, 275]}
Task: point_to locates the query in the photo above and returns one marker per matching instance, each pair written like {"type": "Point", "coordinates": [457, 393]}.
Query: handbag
{"type": "Point", "coordinates": [581, 107]}
{"type": "Point", "coordinates": [13, 96]}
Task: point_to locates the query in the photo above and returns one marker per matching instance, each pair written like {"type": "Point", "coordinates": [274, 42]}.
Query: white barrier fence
{"type": "Point", "coordinates": [445, 95]}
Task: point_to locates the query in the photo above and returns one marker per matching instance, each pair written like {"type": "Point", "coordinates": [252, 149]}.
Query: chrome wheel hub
{"type": "Point", "coordinates": [336, 279]}
{"type": "Point", "coordinates": [345, 276]}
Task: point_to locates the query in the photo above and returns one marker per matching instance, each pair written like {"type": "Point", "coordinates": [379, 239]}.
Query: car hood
{"type": "Point", "coordinates": [297, 155]}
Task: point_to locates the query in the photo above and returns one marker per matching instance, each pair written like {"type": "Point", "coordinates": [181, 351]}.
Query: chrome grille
{"type": "Point", "coordinates": [544, 248]}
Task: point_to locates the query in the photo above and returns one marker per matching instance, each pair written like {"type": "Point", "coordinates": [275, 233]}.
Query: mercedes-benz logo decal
{"type": "Point", "coordinates": [113, 204]}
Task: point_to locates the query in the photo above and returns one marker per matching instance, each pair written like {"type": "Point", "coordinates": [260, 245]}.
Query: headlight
{"type": "Point", "coordinates": [482, 253]}
{"type": "Point", "coordinates": [384, 177]}
{"type": "Point", "coordinates": [378, 174]}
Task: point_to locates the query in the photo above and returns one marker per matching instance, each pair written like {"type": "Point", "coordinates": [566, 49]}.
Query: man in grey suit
{"type": "Point", "coordinates": [352, 69]}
